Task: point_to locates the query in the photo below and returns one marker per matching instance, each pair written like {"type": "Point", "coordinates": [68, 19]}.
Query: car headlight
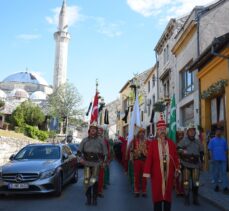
{"type": "Point", "coordinates": [47, 174]}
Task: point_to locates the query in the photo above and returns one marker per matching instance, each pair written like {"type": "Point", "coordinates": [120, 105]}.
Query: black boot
{"type": "Point", "coordinates": [195, 196]}
{"type": "Point", "coordinates": [95, 194]}
{"type": "Point", "coordinates": [88, 196]}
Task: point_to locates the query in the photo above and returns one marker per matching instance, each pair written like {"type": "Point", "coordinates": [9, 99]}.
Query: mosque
{"type": "Point", "coordinates": [21, 86]}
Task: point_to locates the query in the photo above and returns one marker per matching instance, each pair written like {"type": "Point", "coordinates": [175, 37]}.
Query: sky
{"type": "Point", "coordinates": [111, 40]}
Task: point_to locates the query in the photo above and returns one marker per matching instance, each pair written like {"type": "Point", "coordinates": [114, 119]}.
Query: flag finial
{"type": "Point", "coordinates": [97, 84]}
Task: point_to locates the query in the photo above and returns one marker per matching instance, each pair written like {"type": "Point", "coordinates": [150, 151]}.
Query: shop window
{"type": "Point", "coordinates": [217, 110]}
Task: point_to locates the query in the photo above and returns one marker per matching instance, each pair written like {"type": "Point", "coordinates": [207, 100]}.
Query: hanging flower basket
{"type": "Point", "coordinates": [159, 106]}
{"type": "Point", "coordinates": [214, 89]}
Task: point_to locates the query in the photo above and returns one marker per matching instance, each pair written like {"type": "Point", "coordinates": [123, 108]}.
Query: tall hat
{"type": "Point", "coordinates": [180, 130]}
{"type": "Point", "coordinates": [93, 124]}
{"type": "Point", "coordinates": [191, 126]}
{"type": "Point", "coordinates": [100, 127]}
{"type": "Point", "coordinates": [161, 122]}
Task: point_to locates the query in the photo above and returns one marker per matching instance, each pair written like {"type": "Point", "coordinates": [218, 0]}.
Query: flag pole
{"type": "Point", "coordinates": [96, 84]}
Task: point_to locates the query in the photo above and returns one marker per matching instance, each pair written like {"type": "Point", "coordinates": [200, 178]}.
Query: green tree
{"type": "Point", "coordinates": [2, 104]}
{"type": "Point", "coordinates": [65, 102]}
{"type": "Point", "coordinates": [27, 113]}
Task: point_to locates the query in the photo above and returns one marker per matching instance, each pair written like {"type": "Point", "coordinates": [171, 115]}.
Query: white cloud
{"type": "Point", "coordinates": [107, 28]}
{"type": "Point", "coordinates": [169, 7]}
{"type": "Point", "coordinates": [73, 13]}
{"type": "Point", "coordinates": [28, 36]}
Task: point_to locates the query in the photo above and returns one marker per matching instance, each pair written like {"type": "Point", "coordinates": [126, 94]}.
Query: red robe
{"type": "Point", "coordinates": [124, 152]}
{"type": "Point", "coordinates": [140, 182]}
{"type": "Point", "coordinates": [162, 183]}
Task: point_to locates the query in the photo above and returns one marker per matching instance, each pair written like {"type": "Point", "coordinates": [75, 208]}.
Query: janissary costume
{"type": "Point", "coordinates": [139, 149]}
{"type": "Point", "coordinates": [92, 153]}
{"type": "Point", "coordinates": [161, 165]}
{"type": "Point", "coordinates": [179, 186]}
{"type": "Point", "coordinates": [191, 153]}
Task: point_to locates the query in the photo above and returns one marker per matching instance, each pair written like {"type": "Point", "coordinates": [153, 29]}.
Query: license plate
{"type": "Point", "coordinates": [18, 186]}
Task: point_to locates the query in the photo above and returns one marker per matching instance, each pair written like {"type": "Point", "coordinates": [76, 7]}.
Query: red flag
{"type": "Point", "coordinates": [94, 112]}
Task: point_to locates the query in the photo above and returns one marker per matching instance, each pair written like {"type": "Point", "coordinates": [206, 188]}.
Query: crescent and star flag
{"type": "Point", "coordinates": [94, 112]}
{"type": "Point", "coordinates": [134, 121]}
{"type": "Point", "coordinates": [172, 122]}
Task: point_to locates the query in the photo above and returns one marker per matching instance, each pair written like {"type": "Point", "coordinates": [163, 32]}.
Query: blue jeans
{"type": "Point", "coordinates": [220, 169]}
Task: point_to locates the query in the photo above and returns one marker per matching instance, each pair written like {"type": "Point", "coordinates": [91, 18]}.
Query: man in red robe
{"type": "Point", "coordinates": [139, 149]}
{"type": "Point", "coordinates": [161, 165]}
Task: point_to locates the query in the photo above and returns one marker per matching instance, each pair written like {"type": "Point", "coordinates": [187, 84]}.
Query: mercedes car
{"type": "Point", "coordinates": [39, 168]}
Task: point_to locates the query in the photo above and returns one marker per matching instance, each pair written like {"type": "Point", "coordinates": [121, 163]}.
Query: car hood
{"type": "Point", "coordinates": [30, 166]}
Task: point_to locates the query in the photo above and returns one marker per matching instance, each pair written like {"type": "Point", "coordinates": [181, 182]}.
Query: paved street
{"type": "Point", "coordinates": [117, 198]}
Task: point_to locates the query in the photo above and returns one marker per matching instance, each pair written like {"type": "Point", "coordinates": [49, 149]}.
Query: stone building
{"type": "Point", "coordinates": [166, 64]}
{"type": "Point", "coordinates": [202, 25]}
{"type": "Point", "coordinates": [127, 98]}
{"type": "Point", "coordinates": [151, 98]}
{"type": "Point", "coordinates": [213, 74]}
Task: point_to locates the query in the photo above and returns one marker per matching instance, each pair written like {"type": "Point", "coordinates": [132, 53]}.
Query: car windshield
{"type": "Point", "coordinates": [38, 152]}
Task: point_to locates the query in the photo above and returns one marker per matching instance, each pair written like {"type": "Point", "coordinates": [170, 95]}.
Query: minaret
{"type": "Point", "coordinates": [62, 38]}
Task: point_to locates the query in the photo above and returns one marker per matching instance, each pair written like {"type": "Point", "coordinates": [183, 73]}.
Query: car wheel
{"type": "Point", "coordinates": [59, 185]}
{"type": "Point", "coordinates": [75, 177]}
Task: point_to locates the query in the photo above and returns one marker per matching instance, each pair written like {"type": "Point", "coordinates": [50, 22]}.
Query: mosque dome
{"type": "Point", "coordinates": [19, 93]}
{"type": "Point", "coordinates": [38, 95]}
{"type": "Point", "coordinates": [2, 94]}
{"type": "Point", "coordinates": [26, 77]}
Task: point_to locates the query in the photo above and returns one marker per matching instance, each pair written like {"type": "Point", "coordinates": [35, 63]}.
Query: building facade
{"type": "Point", "coordinates": [151, 98]}
{"type": "Point", "coordinates": [213, 74]}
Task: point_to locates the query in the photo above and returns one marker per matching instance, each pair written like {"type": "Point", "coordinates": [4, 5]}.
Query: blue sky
{"type": "Point", "coordinates": [110, 39]}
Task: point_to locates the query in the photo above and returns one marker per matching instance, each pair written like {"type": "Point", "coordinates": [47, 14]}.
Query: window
{"type": "Point", "coordinates": [166, 54]}
{"type": "Point", "coordinates": [153, 100]}
{"type": "Point", "coordinates": [187, 83]}
{"type": "Point", "coordinates": [187, 114]}
{"type": "Point", "coordinates": [153, 81]}
{"type": "Point", "coordinates": [166, 88]}
{"type": "Point", "coordinates": [217, 110]}
{"type": "Point", "coordinates": [125, 104]}
{"type": "Point", "coordinates": [148, 86]}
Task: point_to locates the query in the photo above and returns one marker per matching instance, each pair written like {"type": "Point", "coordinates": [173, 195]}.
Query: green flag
{"type": "Point", "coordinates": [172, 122]}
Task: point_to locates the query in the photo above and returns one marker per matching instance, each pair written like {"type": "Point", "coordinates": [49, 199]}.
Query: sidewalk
{"type": "Point", "coordinates": [207, 192]}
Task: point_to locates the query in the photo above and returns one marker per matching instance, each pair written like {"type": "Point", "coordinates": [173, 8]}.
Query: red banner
{"type": "Point", "coordinates": [94, 112]}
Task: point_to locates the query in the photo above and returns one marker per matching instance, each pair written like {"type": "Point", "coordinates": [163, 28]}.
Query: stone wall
{"type": "Point", "coordinates": [9, 146]}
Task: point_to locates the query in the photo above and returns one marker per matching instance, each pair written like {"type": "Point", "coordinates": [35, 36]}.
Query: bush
{"type": "Point", "coordinates": [35, 133]}
{"type": "Point", "coordinates": [27, 113]}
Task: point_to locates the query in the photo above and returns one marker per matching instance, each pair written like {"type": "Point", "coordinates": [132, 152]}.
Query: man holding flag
{"type": "Point", "coordinates": [134, 122]}
{"type": "Point", "coordinates": [92, 154]}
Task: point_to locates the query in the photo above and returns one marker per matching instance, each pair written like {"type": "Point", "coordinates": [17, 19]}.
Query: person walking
{"type": "Point", "coordinates": [139, 148]}
{"type": "Point", "coordinates": [191, 153]}
{"type": "Point", "coordinates": [162, 165]}
{"type": "Point", "coordinates": [92, 153]}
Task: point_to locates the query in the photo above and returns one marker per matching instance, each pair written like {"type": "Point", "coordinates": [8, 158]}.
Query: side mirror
{"type": "Point", "coordinates": [65, 156]}
{"type": "Point", "coordinates": [12, 157]}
